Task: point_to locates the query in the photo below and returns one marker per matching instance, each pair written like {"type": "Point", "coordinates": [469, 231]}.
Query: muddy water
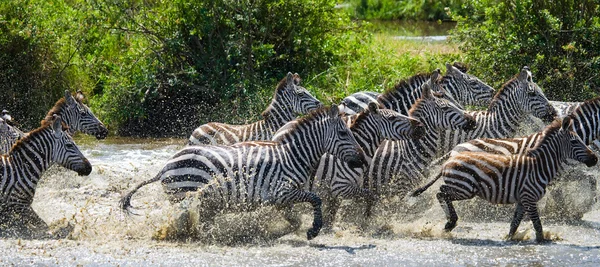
{"type": "Point", "coordinates": [401, 232]}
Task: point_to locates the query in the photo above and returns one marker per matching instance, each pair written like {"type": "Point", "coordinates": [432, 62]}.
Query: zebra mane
{"type": "Point", "coordinates": [549, 132]}
{"type": "Point", "coordinates": [501, 90]}
{"type": "Point", "coordinates": [45, 125]}
{"type": "Point", "coordinates": [58, 106]}
{"type": "Point", "coordinates": [290, 127]}
{"type": "Point", "coordinates": [590, 102]}
{"type": "Point", "coordinates": [404, 85]}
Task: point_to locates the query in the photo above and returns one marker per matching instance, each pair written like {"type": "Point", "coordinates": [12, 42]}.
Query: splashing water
{"type": "Point", "coordinates": [401, 232]}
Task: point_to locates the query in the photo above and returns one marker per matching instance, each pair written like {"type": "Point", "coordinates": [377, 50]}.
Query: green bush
{"type": "Point", "coordinates": [558, 40]}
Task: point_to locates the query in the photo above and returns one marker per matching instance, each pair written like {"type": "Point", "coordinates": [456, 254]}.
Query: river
{"type": "Point", "coordinates": [397, 235]}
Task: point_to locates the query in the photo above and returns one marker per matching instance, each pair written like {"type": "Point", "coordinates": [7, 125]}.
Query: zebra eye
{"type": "Point", "coordinates": [69, 145]}
{"type": "Point", "coordinates": [343, 133]}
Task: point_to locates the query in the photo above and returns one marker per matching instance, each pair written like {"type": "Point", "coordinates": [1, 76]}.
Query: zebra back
{"type": "Point", "coordinates": [23, 166]}
{"type": "Point", "coordinates": [289, 101]}
{"type": "Point", "coordinates": [517, 98]}
{"type": "Point", "coordinates": [77, 115]}
{"type": "Point", "coordinates": [457, 84]}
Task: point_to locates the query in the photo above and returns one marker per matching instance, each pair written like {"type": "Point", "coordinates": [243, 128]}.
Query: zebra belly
{"type": "Point", "coordinates": [230, 175]}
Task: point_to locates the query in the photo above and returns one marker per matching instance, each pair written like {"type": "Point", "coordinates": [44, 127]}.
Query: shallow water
{"type": "Point", "coordinates": [399, 234]}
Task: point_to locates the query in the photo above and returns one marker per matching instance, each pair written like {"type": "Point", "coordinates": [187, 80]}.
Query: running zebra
{"type": "Point", "coordinates": [397, 166]}
{"type": "Point", "coordinates": [248, 174]}
{"type": "Point", "coordinates": [520, 178]}
{"type": "Point", "coordinates": [586, 124]}
{"type": "Point", "coordinates": [289, 101]}
{"type": "Point", "coordinates": [75, 114]}
{"type": "Point", "coordinates": [466, 89]}
{"type": "Point", "coordinates": [23, 166]}
{"type": "Point", "coordinates": [370, 128]}
{"type": "Point", "coordinates": [517, 98]}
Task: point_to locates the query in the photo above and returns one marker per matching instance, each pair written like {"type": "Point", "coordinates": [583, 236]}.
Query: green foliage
{"type": "Point", "coordinates": [558, 40]}
{"type": "Point", "coordinates": [161, 68]}
{"type": "Point", "coordinates": [408, 9]}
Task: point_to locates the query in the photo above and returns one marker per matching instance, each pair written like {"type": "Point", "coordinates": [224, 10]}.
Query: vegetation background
{"type": "Point", "coordinates": [161, 68]}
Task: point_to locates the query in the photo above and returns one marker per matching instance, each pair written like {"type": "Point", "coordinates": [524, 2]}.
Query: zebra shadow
{"type": "Point", "coordinates": [349, 249]}
{"type": "Point", "coordinates": [508, 243]}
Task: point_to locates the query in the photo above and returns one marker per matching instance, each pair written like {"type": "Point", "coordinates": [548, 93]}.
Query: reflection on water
{"type": "Point", "coordinates": [397, 235]}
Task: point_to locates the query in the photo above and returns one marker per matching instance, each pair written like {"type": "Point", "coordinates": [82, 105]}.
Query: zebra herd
{"type": "Point", "coordinates": [369, 146]}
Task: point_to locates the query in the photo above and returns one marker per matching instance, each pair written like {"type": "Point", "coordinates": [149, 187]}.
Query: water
{"type": "Point", "coordinates": [397, 235]}
{"type": "Point", "coordinates": [427, 31]}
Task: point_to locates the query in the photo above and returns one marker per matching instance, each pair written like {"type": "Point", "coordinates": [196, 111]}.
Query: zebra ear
{"type": "Point", "coordinates": [567, 123]}
{"type": "Point", "coordinates": [449, 68]}
{"type": "Point", "coordinates": [80, 96]}
{"type": "Point", "coordinates": [69, 98]}
{"type": "Point", "coordinates": [56, 124]}
{"type": "Point", "coordinates": [524, 74]}
{"type": "Point", "coordinates": [373, 107]}
{"type": "Point", "coordinates": [289, 79]}
{"type": "Point", "coordinates": [334, 111]}
{"type": "Point", "coordinates": [426, 93]}
{"type": "Point", "coordinates": [297, 79]}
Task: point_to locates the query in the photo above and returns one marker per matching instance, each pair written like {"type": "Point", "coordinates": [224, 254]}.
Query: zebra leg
{"type": "Point", "coordinates": [532, 211]}
{"type": "Point", "coordinates": [333, 205]}
{"type": "Point", "coordinates": [446, 202]}
{"type": "Point", "coordinates": [291, 217]}
{"type": "Point", "coordinates": [292, 195]}
{"type": "Point", "coordinates": [517, 218]}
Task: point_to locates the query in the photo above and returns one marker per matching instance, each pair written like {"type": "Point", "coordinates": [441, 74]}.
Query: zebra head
{"type": "Point", "coordinates": [291, 95]}
{"type": "Point", "coordinates": [466, 88]}
{"type": "Point", "coordinates": [340, 142]}
{"type": "Point", "coordinates": [393, 125]}
{"type": "Point", "coordinates": [439, 113]}
{"type": "Point", "coordinates": [532, 99]}
{"type": "Point", "coordinates": [560, 136]}
{"type": "Point", "coordinates": [64, 150]}
{"type": "Point", "coordinates": [577, 148]}
{"type": "Point", "coordinates": [79, 117]}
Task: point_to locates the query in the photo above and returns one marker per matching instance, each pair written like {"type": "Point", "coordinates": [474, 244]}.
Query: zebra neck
{"type": "Point", "coordinates": [276, 115]}
{"type": "Point", "coordinates": [304, 155]}
{"type": "Point", "coordinates": [503, 117]}
{"type": "Point", "coordinates": [31, 157]}
{"type": "Point", "coordinates": [586, 125]}
{"type": "Point", "coordinates": [548, 162]}
{"type": "Point", "coordinates": [400, 101]}
{"type": "Point", "coordinates": [366, 133]}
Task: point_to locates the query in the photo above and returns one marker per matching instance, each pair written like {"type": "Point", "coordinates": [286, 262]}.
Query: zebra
{"type": "Point", "coordinates": [370, 128]}
{"type": "Point", "coordinates": [586, 123]}
{"type": "Point", "coordinates": [519, 178]}
{"type": "Point", "coordinates": [290, 100]}
{"type": "Point", "coordinates": [23, 166]}
{"type": "Point", "coordinates": [465, 88]}
{"type": "Point", "coordinates": [9, 135]}
{"type": "Point", "coordinates": [509, 108]}
{"type": "Point", "coordinates": [76, 115]}
{"type": "Point", "coordinates": [408, 158]}
{"type": "Point", "coordinates": [248, 174]}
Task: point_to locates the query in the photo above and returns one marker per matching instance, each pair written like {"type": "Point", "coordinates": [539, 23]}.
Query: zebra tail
{"type": "Point", "coordinates": [125, 202]}
{"type": "Point", "coordinates": [420, 191]}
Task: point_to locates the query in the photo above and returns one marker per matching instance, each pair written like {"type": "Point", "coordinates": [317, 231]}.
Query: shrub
{"type": "Point", "coordinates": [558, 40]}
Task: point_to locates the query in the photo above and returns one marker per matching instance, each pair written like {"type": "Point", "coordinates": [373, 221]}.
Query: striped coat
{"type": "Point", "coordinates": [289, 101]}
{"type": "Point", "coordinates": [22, 168]}
{"type": "Point", "coordinates": [519, 178]}
{"type": "Point", "coordinates": [261, 172]}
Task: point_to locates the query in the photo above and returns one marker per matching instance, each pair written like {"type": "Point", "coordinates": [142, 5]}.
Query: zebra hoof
{"type": "Point", "coordinates": [311, 233]}
{"type": "Point", "coordinates": [449, 226]}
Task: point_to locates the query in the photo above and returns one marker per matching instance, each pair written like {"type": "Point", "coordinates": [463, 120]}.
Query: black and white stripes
{"type": "Point", "coordinates": [518, 178]}
{"type": "Point", "coordinates": [289, 101]}
{"type": "Point", "coordinates": [23, 166]}
{"type": "Point", "coordinates": [270, 172]}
